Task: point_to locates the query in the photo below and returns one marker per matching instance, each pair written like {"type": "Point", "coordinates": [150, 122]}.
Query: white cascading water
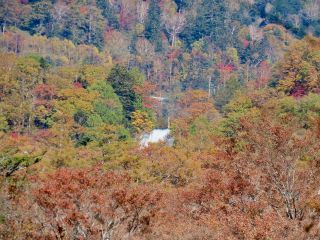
{"type": "Point", "coordinates": [156, 135]}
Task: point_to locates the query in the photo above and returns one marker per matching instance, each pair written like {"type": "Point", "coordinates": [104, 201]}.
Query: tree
{"type": "Point", "coordinates": [142, 11]}
{"type": "Point", "coordinates": [276, 151]}
{"type": "Point", "coordinates": [11, 14]}
{"type": "Point", "coordinates": [299, 72]}
{"type": "Point", "coordinates": [90, 203]}
{"type": "Point", "coordinates": [264, 74]}
{"type": "Point", "coordinates": [40, 18]}
{"type": "Point", "coordinates": [84, 25]}
{"type": "Point", "coordinates": [109, 13]}
{"type": "Point", "coordinates": [190, 106]}
{"type": "Point", "coordinates": [141, 121]}
{"type": "Point", "coordinates": [123, 85]}
{"type": "Point", "coordinates": [181, 4]}
{"type": "Point", "coordinates": [174, 25]}
{"type": "Point", "coordinates": [312, 9]}
{"type": "Point", "coordinates": [211, 21]}
{"type": "Point", "coordinates": [226, 92]}
{"type": "Point", "coordinates": [153, 25]}
{"type": "Point", "coordinates": [198, 67]}
{"type": "Point", "coordinates": [126, 16]}
{"type": "Point", "coordinates": [107, 105]}
{"type": "Point", "coordinates": [145, 54]}
{"type": "Point", "coordinates": [23, 76]}
{"type": "Point", "coordinates": [44, 95]}
{"type": "Point", "coordinates": [118, 45]}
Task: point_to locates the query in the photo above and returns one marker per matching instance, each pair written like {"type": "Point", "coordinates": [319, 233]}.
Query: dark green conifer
{"type": "Point", "coordinates": [153, 25]}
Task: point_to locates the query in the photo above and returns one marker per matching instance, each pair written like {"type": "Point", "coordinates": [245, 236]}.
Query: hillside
{"type": "Point", "coordinates": [87, 87]}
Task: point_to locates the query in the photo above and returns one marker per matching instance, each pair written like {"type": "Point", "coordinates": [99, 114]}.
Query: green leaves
{"type": "Point", "coordinates": [123, 85]}
{"type": "Point", "coordinates": [210, 21]}
{"type": "Point", "coordinates": [10, 164]}
{"type": "Point", "coordinates": [227, 92]}
{"type": "Point", "coordinates": [108, 106]}
{"type": "Point", "coordinates": [3, 123]}
{"type": "Point", "coordinates": [239, 107]}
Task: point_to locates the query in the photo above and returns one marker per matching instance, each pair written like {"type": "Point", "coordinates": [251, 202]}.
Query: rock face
{"type": "Point", "coordinates": [157, 135]}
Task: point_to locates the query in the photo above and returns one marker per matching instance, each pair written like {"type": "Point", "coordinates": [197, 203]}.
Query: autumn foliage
{"type": "Point", "coordinates": [233, 86]}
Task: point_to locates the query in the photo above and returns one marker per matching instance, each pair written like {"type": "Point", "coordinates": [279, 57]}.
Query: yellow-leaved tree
{"type": "Point", "coordinates": [141, 121]}
{"type": "Point", "coordinates": [299, 71]}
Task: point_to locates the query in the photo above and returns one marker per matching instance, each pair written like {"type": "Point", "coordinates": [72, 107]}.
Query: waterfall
{"type": "Point", "coordinates": [155, 136]}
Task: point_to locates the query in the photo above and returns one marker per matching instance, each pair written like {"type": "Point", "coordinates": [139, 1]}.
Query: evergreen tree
{"type": "Point", "coordinates": [182, 4]}
{"type": "Point", "coordinates": [227, 92]}
{"type": "Point", "coordinates": [39, 20]}
{"type": "Point", "coordinates": [210, 21]}
{"type": "Point", "coordinates": [123, 85]}
{"type": "Point", "coordinates": [84, 26]}
{"type": "Point", "coordinates": [108, 13]}
{"type": "Point", "coordinates": [153, 25]}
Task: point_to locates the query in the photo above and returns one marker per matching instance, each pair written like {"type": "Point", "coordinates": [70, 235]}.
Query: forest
{"type": "Point", "coordinates": [235, 82]}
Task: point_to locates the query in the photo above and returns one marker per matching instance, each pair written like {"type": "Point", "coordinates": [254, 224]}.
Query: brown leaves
{"type": "Point", "coordinates": [86, 203]}
{"type": "Point", "coordinates": [190, 106]}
